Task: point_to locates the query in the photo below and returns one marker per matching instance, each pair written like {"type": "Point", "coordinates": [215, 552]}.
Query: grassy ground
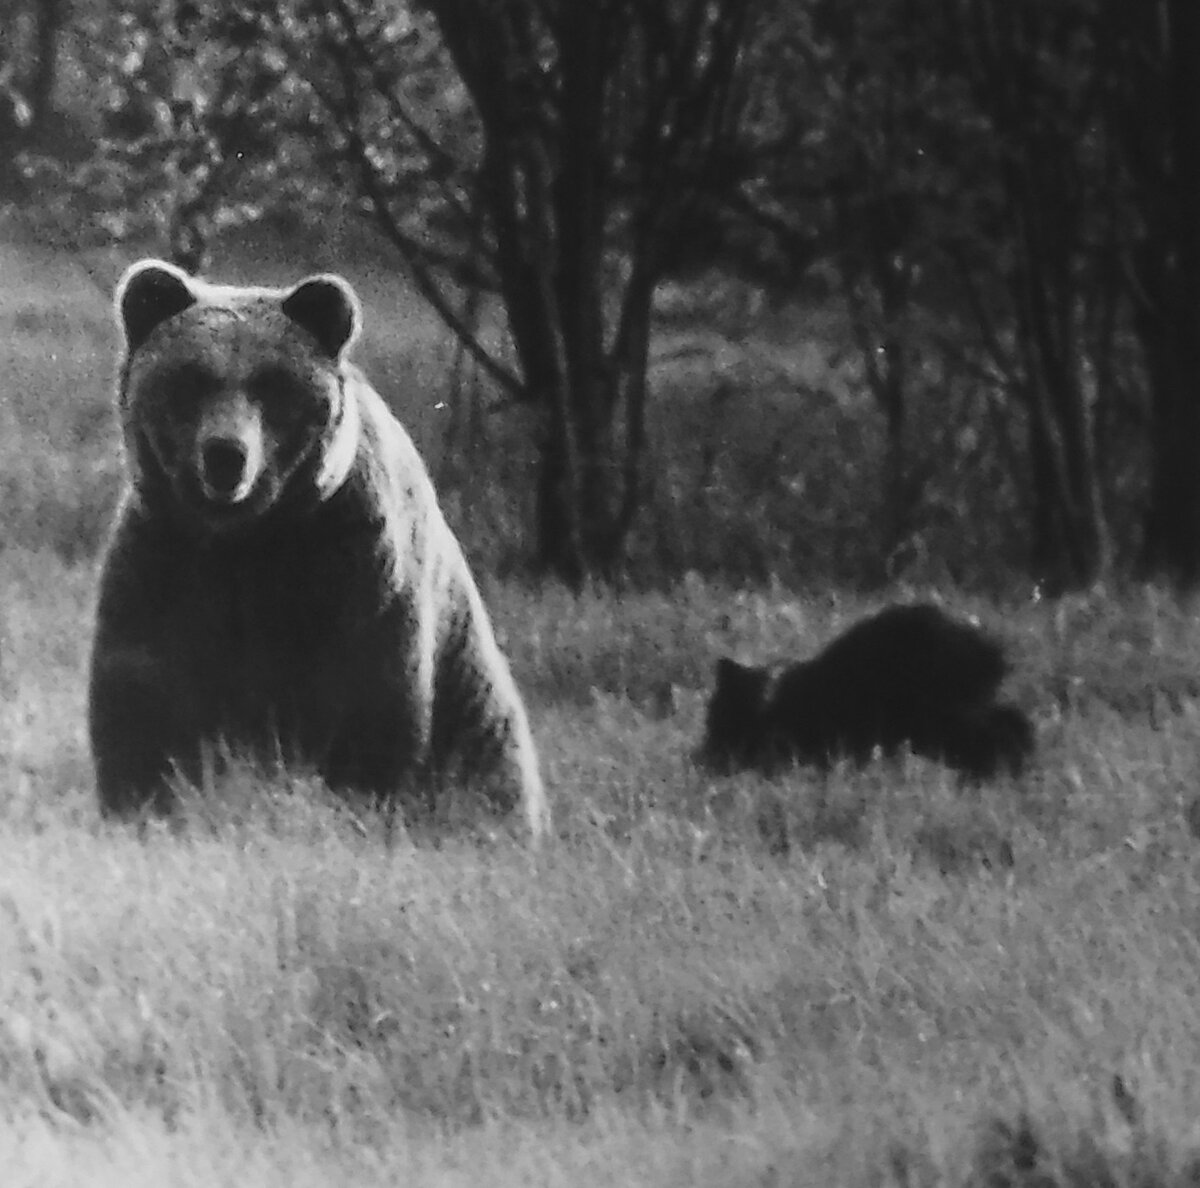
{"type": "Point", "coordinates": [860, 980]}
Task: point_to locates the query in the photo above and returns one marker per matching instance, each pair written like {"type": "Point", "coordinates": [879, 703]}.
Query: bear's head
{"type": "Point", "coordinates": [733, 726]}
{"type": "Point", "coordinates": [233, 399]}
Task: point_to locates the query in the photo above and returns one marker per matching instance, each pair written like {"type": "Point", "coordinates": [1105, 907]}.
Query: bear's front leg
{"type": "Point", "coordinates": [481, 729]}
{"type": "Point", "coordinates": [135, 739]}
{"type": "Point", "coordinates": [379, 748]}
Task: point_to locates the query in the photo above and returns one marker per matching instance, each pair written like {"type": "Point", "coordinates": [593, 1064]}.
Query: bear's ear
{"type": "Point", "coordinates": [727, 672]}
{"type": "Point", "coordinates": [327, 307]}
{"type": "Point", "coordinates": [150, 292]}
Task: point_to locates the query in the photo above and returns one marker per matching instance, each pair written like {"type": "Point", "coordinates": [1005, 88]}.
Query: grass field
{"type": "Point", "coordinates": [864, 980]}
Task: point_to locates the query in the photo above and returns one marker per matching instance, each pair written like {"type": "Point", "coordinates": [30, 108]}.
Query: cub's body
{"type": "Point", "coordinates": [908, 676]}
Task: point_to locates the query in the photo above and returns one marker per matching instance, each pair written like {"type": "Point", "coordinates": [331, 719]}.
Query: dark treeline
{"type": "Point", "coordinates": [1001, 196]}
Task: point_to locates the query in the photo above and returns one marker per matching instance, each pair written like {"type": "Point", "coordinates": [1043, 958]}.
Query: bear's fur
{"type": "Point", "coordinates": [281, 579]}
{"type": "Point", "coordinates": [909, 675]}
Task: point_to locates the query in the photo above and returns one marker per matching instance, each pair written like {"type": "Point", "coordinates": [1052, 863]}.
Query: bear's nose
{"type": "Point", "coordinates": [224, 465]}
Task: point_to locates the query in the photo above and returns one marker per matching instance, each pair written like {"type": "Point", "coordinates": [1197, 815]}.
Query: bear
{"type": "Point", "coordinates": [280, 580]}
{"type": "Point", "coordinates": [907, 676]}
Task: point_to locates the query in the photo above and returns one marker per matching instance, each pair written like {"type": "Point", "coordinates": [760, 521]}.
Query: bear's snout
{"type": "Point", "coordinates": [223, 468]}
{"type": "Point", "coordinates": [229, 454]}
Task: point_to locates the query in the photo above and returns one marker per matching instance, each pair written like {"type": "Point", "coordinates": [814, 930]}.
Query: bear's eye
{"type": "Point", "coordinates": [186, 381]}
{"type": "Point", "coordinates": [283, 394]}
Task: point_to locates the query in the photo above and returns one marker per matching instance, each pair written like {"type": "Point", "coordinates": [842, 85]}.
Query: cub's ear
{"type": "Point", "coordinates": [327, 307]}
{"type": "Point", "coordinates": [741, 681]}
{"type": "Point", "coordinates": [150, 292]}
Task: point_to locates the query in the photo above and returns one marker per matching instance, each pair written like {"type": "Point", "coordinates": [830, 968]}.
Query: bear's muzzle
{"type": "Point", "coordinates": [230, 453]}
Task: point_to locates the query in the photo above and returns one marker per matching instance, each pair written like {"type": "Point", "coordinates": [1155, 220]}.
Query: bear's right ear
{"type": "Point", "coordinates": [150, 292]}
{"type": "Point", "coordinates": [327, 307]}
{"type": "Point", "coordinates": [727, 671]}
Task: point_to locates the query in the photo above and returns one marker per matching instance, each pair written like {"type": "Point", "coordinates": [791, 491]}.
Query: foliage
{"type": "Point", "coordinates": [992, 194]}
{"type": "Point", "coordinates": [199, 124]}
{"type": "Point", "coordinates": [592, 143]}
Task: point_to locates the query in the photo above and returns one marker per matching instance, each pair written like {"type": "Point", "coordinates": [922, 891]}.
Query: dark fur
{"type": "Point", "coordinates": [908, 676]}
{"type": "Point", "coordinates": [281, 579]}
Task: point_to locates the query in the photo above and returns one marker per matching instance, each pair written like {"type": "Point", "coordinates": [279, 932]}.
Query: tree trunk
{"type": "Point", "coordinates": [1016, 48]}
{"type": "Point", "coordinates": [558, 549]}
{"type": "Point", "coordinates": [1169, 320]}
{"type": "Point", "coordinates": [45, 67]}
{"type": "Point", "coordinates": [595, 123]}
{"type": "Point", "coordinates": [1045, 529]}
{"type": "Point", "coordinates": [1171, 530]}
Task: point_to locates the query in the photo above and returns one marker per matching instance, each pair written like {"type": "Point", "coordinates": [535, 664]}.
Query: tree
{"type": "Point", "coordinates": [1153, 113]}
{"type": "Point", "coordinates": [999, 191]}
{"type": "Point", "coordinates": [28, 73]}
{"type": "Point", "coordinates": [1034, 78]}
{"type": "Point", "coordinates": [888, 99]}
{"type": "Point", "coordinates": [892, 141]}
{"type": "Point", "coordinates": [579, 157]}
{"type": "Point", "coordinates": [197, 124]}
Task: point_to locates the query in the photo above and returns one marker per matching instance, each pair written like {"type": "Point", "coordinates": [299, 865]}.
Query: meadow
{"type": "Point", "coordinates": [872, 978]}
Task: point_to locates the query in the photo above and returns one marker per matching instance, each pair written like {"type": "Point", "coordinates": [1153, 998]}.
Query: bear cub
{"type": "Point", "coordinates": [281, 580]}
{"type": "Point", "coordinates": [907, 676]}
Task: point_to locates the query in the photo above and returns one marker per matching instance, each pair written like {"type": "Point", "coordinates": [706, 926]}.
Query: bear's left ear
{"type": "Point", "coordinates": [327, 307]}
{"type": "Point", "coordinates": [150, 292]}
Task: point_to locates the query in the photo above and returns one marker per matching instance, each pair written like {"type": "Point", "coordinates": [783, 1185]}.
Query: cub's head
{"type": "Point", "coordinates": [733, 726]}
{"type": "Point", "coordinates": [232, 399]}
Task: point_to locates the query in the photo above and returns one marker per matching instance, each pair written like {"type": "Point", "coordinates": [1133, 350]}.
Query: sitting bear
{"type": "Point", "coordinates": [281, 580]}
{"type": "Point", "coordinates": [909, 675]}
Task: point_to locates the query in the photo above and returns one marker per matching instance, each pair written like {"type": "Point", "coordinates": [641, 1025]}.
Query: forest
{"type": "Point", "coordinates": [981, 214]}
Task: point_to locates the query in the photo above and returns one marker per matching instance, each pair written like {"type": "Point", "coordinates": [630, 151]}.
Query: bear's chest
{"type": "Point", "coordinates": [281, 631]}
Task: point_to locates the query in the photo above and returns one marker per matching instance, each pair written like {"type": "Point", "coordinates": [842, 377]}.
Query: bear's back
{"type": "Point", "coordinates": [910, 655]}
